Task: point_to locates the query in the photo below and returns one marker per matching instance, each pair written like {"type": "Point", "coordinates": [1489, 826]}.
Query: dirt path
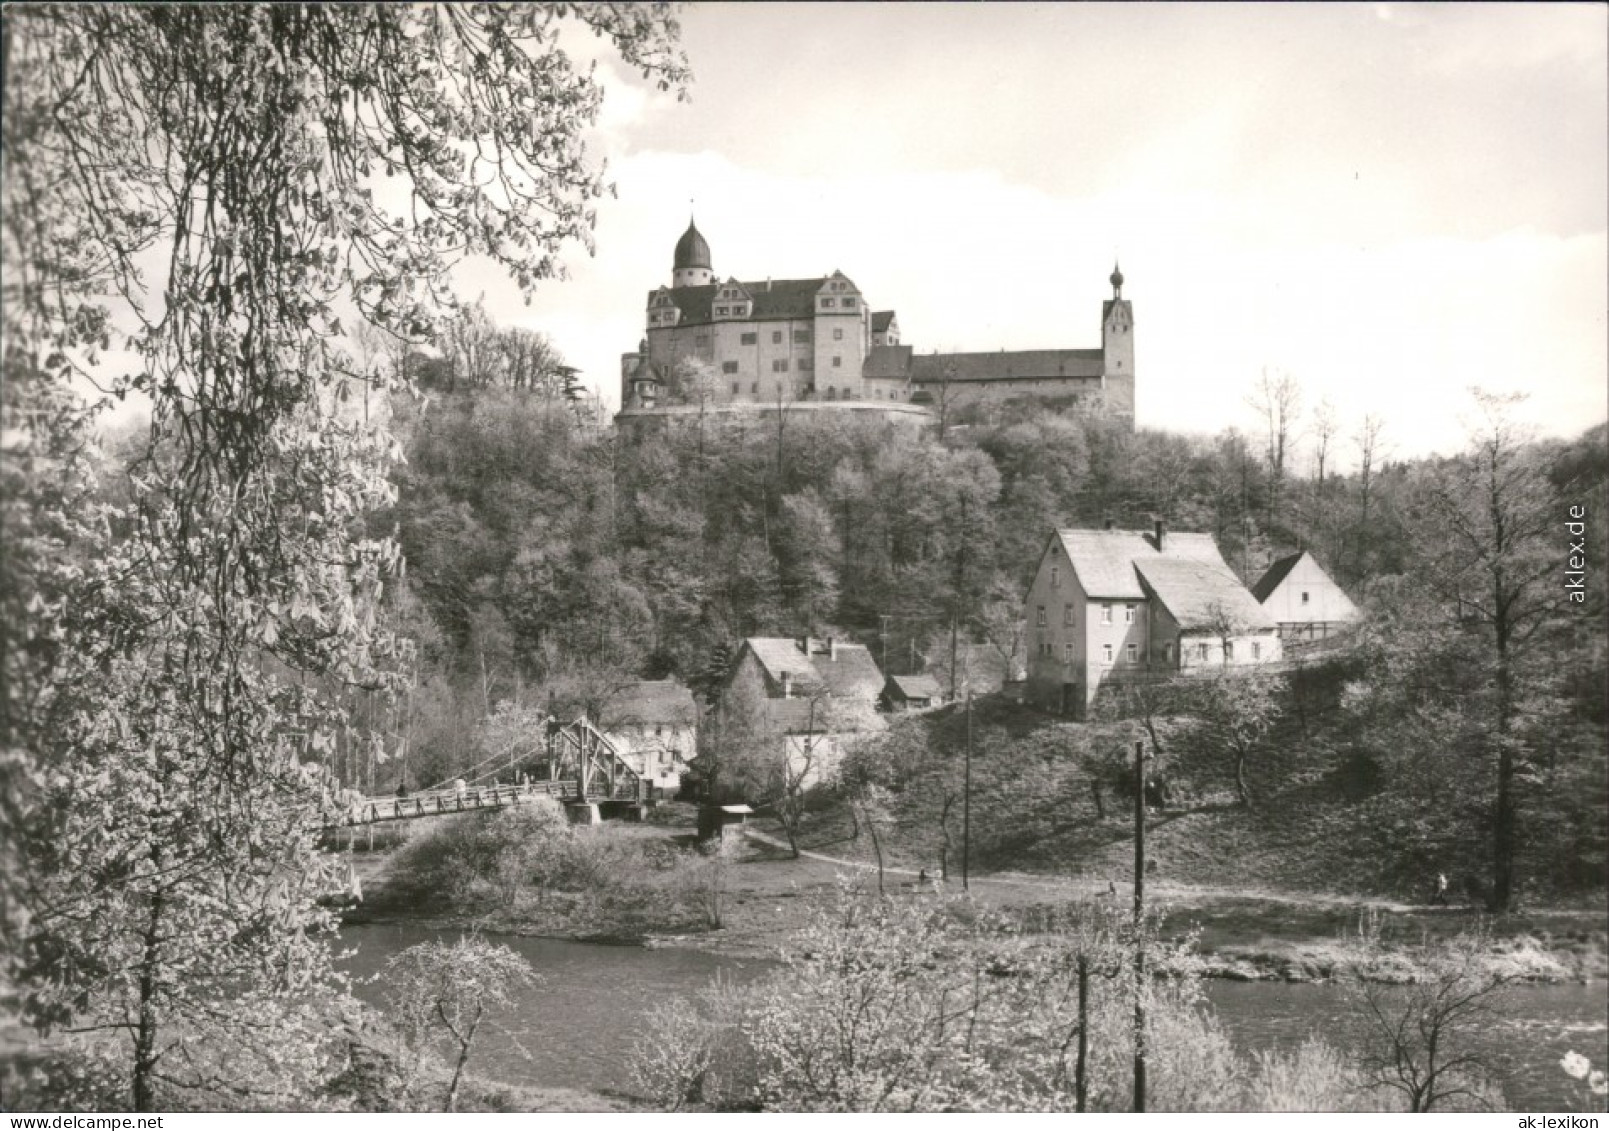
{"type": "Point", "coordinates": [1094, 888]}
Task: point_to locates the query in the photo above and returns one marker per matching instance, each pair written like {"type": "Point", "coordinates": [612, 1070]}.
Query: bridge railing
{"type": "Point", "coordinates": [370, 810]}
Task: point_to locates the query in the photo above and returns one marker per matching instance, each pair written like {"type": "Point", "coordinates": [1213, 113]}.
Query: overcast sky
{"type": "Point", "coordinates": [1390, 202]}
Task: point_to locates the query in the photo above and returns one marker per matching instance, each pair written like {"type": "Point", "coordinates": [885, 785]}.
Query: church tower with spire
{"type": "Point", "coordinates": [691, 267]}
{"type": "Point", "coordinates": [1117, 349]}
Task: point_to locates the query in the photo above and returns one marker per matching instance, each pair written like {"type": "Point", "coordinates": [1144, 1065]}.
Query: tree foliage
{"type": "Point", "coordinates": [193, 200]}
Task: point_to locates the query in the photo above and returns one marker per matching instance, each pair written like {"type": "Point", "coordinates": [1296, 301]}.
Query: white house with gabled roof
{"type": "Point", "coordinates": [1113, 604]}
{"type": "Point", "coordinates": [1303, 600]}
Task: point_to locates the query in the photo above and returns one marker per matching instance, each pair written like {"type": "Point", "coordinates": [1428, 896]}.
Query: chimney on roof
{"type": "Point", "coordinates": [787, 685]}
{"type": "Point", "coordinates": [1160, 531]}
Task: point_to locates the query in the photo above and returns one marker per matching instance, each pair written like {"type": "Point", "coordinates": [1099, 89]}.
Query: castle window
{"type": "Point", "coordinates": [1067, 653]}
{"type": "Point", "coordinates": [728, 367]}
{"type": "Point", "coordinates": [837, 362]}
{"type": "Point", "coordinates": [832, 392]}
{"type": "Point", "coordinates": [801, 336]}
{"type": "Point", "coordinates": [722, 309]}
{"type": "Point", "coordinates": [838, 334]}
{"type": "Point", "coordinates": [828, 302]}
{"type": "Point", "coordinates": [740, 310]}
{"type": "Point", "coordinates": [702, 342]}
{"type": "Point", "coordinates": [749, 339]}
{"type": "Point", "coordinates": [849, 300]}
{"type": "Point", "coordinates": [734, 388]}
{"type": "Point", "coordinates": [755, 388]}
{"type": "Point", "coordinates": [776, 337]}
{"type": "Point", "coordinates": [806, 364]}
{"type": "Point", "coordinates": [779, 365]}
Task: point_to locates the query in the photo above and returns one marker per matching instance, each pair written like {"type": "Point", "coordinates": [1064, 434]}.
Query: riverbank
{"type": "Point", "coordinates": [762, 896]}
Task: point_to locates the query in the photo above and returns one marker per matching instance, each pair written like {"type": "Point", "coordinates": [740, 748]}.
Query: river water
{"type": "Point", "coordinates": [591, 1004]}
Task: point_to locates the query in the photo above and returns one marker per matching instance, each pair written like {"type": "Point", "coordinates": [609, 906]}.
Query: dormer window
{"type": "Point", "coordinates": [828, 302]}
{"type": "Point", "coordinates": [849, 300]}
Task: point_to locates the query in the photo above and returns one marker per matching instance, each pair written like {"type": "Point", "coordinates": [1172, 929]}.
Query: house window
{"type": "Point", "coordinates": [1167, 652]}
{"type": "Point", "coordinates": [666, 758]}
{"type": "Point", "coordinates": [1128, 614]}
{"type": "Point", "coordinates": [837, 362]}
{"type": "Point", "coordinates": [838, 334]}
{"type": "Point", "coordinates": [776, 337]}
{"type": "Point", "coordinates": [659, 732]}
{"type": "Point", "coordinates": [1041, 621]}
{"type": "Point", "coordinates": [1067, 653]}
{"type": "Point", "coordinates": [1067, 615]}
{"type": "Point", "coordinates": [728, 367]}
{"type": "Point", "coordinates": [749, 339]}
{"type": "Point", "coordinates": [1229, 650]}
{"type": "Point", "coordinates": [1256, 651]}
{"type": "Point", "coordinates": [1304, 597]}
{"type": "Point", "coordinates": [1106, 614]}
{"type": "Point", "coordinates": [801, 336]}
{"type": "Point", "coordinates": [1134, 653]}
{"type": "Point", "coordinates": [1106, 652]}
{"type": "Point", "coordinates": [1055, 577]}
{"type": "Point", "coordinates": [1202, 651]}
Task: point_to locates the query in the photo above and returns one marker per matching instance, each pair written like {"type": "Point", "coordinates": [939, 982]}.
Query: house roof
{"type": "Point", "coordinates": [1008, 365]}
{"type": "Point", "coordinates": [915, 686]}
{"type": "Point", "coordinates": [881, 320]}
{"type": "Point", "coordinates": [1104, 560]}
{"type": "Point", "coordinates": [1279, 571]}
{"type": "Point", "coordinates": [772, 299]}
{"type": "Point", "coordinates": [888, 361]}
{"type": "Point", "coordinates": [1202, 595]}
{"type": "Point", "coordinates": [853, 675]}
{"type": "Point", "coordinates": [651, 701]}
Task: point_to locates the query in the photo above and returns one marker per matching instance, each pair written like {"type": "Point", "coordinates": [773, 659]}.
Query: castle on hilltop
{"type": "Point", "coordinates": [737, 346]}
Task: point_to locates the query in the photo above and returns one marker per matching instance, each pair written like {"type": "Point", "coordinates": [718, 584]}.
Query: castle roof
{"type": "Point", "coordinates": [772, 299]}
{"type": "Point", "coordinates": [1007, 365]}
{"type": "Point", "coordinates": [881, 319]}
{"type": "Point", "coordinates": [692, 250]}
{"type": "Point", "coordinates": [888, 361]}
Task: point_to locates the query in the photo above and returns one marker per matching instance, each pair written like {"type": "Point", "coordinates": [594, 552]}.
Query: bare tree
{"type": "Point", "coordinates": [1277, 398]}
{"type": "Point", "coordinates": [1370, 449]}
{"type": "Point", "coordinates": [1418, 1034]}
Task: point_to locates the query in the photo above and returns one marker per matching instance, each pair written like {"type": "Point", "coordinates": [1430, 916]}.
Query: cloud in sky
{"type": "Point", "coordinates": [1391, 202]}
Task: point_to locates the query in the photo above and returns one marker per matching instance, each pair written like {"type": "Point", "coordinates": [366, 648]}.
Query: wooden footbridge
{"type": "Point", "coordinates": [573, 762]}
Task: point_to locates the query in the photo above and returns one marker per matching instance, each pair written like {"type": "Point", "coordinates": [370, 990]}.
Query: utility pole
{"type": "Point", "coordinates": [1139, 926]}
{"type": "Point", "coordinates": [966, 803]}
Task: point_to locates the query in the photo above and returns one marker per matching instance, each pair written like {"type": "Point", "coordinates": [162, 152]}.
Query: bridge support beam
{"type": "Point", "coordinates": [583, 813]}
